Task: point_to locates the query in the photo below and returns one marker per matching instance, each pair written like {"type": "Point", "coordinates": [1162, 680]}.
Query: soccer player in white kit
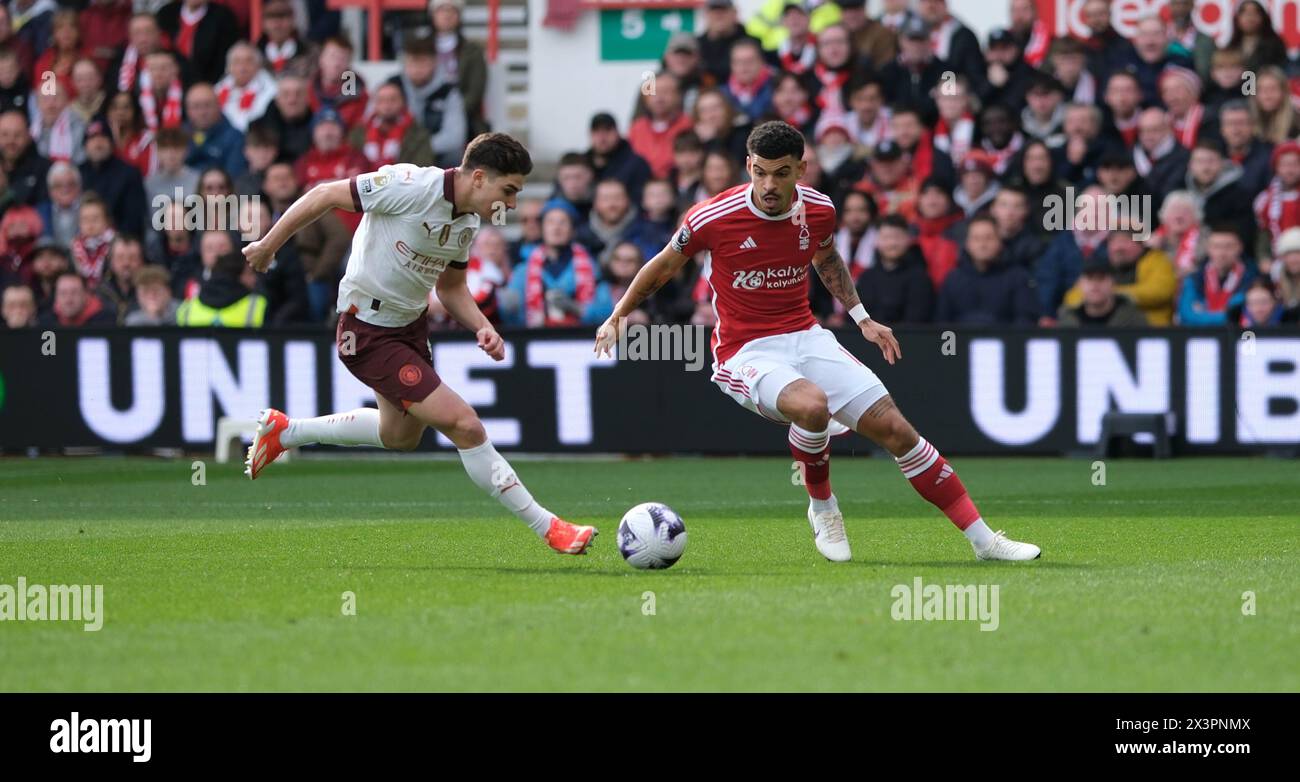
{"type": "Point", "coordinates": [414, 238]}
{"type": "Point", "coordinates": [772, 357]}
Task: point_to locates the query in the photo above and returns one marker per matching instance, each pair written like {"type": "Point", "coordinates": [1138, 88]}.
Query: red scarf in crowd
{"type": "Point", "coordinates": [956, 140]}
{"type": "Point", "coordinates": [247, 96]}
{"type": "Point", "coordinates": [1277, 209]}
{"type": "Point", "coordinates": [745, 93]}
{"type": "Point", "coordinates": [127, 73]}
{"type": "Point", "coordinates": [797, 63]}
{"type": "Point", "coordinates": [1002, 157]}
{"type": "Point", "coordinates": [1219, 292]}
{"type": "Point", "coordinates": [1184, 255]}
{"type": "Point", "coordinates": [279, 55]}
{"type": "Point", "coordinates": [535, 310]}
{"type": "Point", "coordinates": [1040, 41]}
{"type": "Point", "coordinates": [189, 21]}
{"type": "Point", "coordinates": [1128, 129]}
{"type": "Point", "coordinates": [941, 38]}
{"type": "Point", "coordinates": [91, 256]}
{"type": "Point", "coordinates": [384, 143]}
{"type": "Point", "coordinates": [831, 96]}
{"type": "Point", "coordinates": [138, 151]}
{"type": "Point", "coordinates": [1187, 128]}
{"type": "Point", "coordinates": [171, 111]}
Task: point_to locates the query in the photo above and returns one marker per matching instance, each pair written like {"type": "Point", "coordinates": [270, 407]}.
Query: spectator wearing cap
{"type": "Point", "coordinates": [463, 58]}
{"type": "Point", "coordinates": [937, 222]}
{"type": "Point", "coordinates": [896, 287]}
{"type": "Point", "coordinates": [59, 212]}
{"type": "Point", "coordinates": [869, 37]}
{"type": "Point", "coordinates": [284, 50]}
{"type": "Point", "coordinates": [337, 85]}
{"type": "Point", "coordinates": [682, 60]}
{"type": "Point", "coordinates": [1006, 75]}
{"type": "Point", "coordinates": [1180, 91]}
{"type": "Point", "coordinates": [559, 283]}
{"type": "Point", "coordinates": [58, 129]}
{"type": "Point", "coordinates": [722, 30]}
{"type": "Point", "coordinates": [1099, 304]}
{"type": "Point", "coordinates": [389, 134]}
{"type": "Point", "coordinates": [118, 290]}
{"type": "Point", "coordinates": [289, 116]}
{"type": "Point", "coordinates": [977, 186]}
{"type": "Point", "coordinates": [75, 306]}
{"type": "Point", "coordinates": [750, 86]}
{"type": "Point", "coordinates": [49, 260]}
{"type": "Point", "coordinates": [132, 141]}
{"type": "Point", "coordinates": [984, 289]}
{"type": "Point", "coordinates": [652, 134]}
{"type": "Point", "coordinates": [1244, 146]}
{"type": "Point", "coordinates": [213, 140]}
{"type": "Point", "coordinates": [1107, 49]}
{"type": "Point", "coordinates": [612, 157]}
{"type": "Point", "coordinates": [717, 125]}
{"type": "Point", "coordinates": [17, 307]}
{"type": "Point", "coordinates": [433, 97]}
{"type": "Point", "coordinates": [1179, 232]}
{"type": "Point", "coordinates": [171, 173]}
{"type": "Point", "coordinates": [1143, 274]}
{"type": "Point", "coordinates": [771, 24]}
{"type": "Point", "coordinates": [1123, 100]}
{"type": "Point", "coordinates": [792, 103]}
{"type": "Point", "coordinates": [1286, 272]}
{"type": "Point", "coordinates": [94, 238]}
{"type": "Point", "coordinates": [612, 215]}
{"type": "Point", "coordinates": [247, 89]}
{"type": "Point", "coordinates": [1220, 281]}
{"type": "Point", "coordinates": [1214, 182]}
{"type": "Point", "coordinates": [117, 182]}
{"type": "Point", "coordinates": [154, 303]}
{"type": "Point", "coordinates": [1043, 117]}
{"type": "Point", "coordinates": [87, 89]}
{"type": "Point", "coordinates": [837, 157]}
{"type": "Point", "coordinates": [330, 159]}
{"type": "Point", "coordinates": [1160, 160]}
{"type": "Point", "coordinates": [953, 41]}
{"type": "Point", "coordinates": [201, 32]}
{"type": "Point", "coordinates": [226, 298]}
{"type": "Point", "coordinates": [1277, 208]}
{"type": "Point", "coordinates": [910, 78]}
{"type": "Point", "coordinates": [890, 181]}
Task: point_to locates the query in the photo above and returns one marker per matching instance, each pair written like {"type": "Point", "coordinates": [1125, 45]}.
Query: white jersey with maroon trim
{"type": "Point", "coordinates": [409, 233]}
{"type": "Point", "coordinates": [760, 263]}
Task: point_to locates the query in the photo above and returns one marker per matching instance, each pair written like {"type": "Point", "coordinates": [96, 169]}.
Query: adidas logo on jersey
{"type": "Point", "coordinates": [748, 244]}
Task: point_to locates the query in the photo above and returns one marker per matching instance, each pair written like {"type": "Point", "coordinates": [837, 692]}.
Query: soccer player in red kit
{"type": "Point", "coordinates": [772, 357]}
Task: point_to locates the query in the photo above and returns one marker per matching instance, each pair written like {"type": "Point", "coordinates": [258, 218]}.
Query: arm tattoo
{"type": "Point", "coordinates": [835, 275]}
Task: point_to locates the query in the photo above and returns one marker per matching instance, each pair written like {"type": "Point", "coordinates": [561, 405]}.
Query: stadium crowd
{"type": "Point", "coordinates": [974, 183]}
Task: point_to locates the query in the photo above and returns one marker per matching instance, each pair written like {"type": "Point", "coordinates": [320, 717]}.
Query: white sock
{"type": "Point", "coordinates": [979, 534]}
{"type": "Point", "coordinates": [494, 475]}
{"type": "Point", "coordinates": [824, 505]}
{"type": "Point", "coordinates": [358, 427]}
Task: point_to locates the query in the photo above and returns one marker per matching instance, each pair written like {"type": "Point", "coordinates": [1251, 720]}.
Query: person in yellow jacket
{"type": "Point", "coordinates": [224, 299]}
{"type": "Point", "coordinates": [1145, 276]}
{"type": "Point", "coordinates": [767, 26]}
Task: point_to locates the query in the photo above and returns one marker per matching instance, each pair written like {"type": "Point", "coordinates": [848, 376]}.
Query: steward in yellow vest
{"type": "Point", "coordinates": [224, 300]}
{"type": "Point", "coordinates": [767, 27]}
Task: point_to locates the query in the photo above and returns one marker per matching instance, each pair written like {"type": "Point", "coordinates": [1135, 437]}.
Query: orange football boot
{"type": "Point", "coordinates": [569, 538]}
{"type": "Point", "coordinates": [266, 446]}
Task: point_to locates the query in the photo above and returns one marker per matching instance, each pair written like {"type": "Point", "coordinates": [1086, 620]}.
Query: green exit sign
{"type": "Point", "coordinates": [641, 34]}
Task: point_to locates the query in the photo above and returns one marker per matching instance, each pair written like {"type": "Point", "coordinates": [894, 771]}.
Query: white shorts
{"type": "Point", "coordinates": [755, 375]}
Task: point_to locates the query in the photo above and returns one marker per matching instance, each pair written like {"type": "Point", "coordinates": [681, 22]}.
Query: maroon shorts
{"type": "Point", "coordinates": [395, 362]}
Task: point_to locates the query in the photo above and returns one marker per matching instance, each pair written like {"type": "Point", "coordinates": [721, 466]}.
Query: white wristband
{"type": "Point", "coordinates": [858, 313]}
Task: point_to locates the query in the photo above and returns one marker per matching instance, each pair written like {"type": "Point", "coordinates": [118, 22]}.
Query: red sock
{"type": "Point", "coordinates": [935, 480]}
{"type": "Point", "coordinates": [813, 452]}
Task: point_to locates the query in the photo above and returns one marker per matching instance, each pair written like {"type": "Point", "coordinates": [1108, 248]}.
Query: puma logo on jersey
{"type": "Point", "coordinates": [943, 474]}
{"type": "Point", "coordinates": [748, 244]}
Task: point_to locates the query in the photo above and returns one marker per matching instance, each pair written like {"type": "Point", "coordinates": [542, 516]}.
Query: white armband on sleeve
{"type": "Point", "coordinates": [858, 313]}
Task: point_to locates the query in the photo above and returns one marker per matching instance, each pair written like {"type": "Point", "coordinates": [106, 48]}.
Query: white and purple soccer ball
{"type": "Point", "coordinates": [651, 536]}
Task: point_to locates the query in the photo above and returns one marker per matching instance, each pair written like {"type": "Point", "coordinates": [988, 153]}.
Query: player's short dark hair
{"type": "Point", "coordinates": [498, 153]}
{"type": "Point", "coordinates": [773, 140]}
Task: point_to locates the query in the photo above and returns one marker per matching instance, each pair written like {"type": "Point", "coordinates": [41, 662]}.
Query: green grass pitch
{"type": "Point", "coordinates": [235, 585]}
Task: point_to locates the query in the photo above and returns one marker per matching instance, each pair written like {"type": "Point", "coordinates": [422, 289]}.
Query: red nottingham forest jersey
{"type": "Point", "coordinates": [759, 267]}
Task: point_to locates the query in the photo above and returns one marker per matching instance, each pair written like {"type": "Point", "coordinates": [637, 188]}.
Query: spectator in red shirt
{"type": "Point", "coordinates": [64, 50]}
{"type": "Point", "coordinates": [652, 135]}
{"type": "Point", "coordinates": [74, 305]}
{"type": "Point", "coordinates": [161, 94]}
{"type": "Point", "coordinates": [132, 141]}
{"type": "Point", "coordinates": [330, 159]}
{"type": "Point", "coordinates": [337, 85]}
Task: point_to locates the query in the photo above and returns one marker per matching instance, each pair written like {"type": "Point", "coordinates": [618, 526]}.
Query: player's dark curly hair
{"type": "Point", "coordinates": [499, 153]}
{"type": "Point", "coordinates": [773, 140]}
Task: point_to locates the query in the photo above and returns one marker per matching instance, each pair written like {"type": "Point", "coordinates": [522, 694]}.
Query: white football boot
{"type": "Point", "coordinates": [828, 534]}
{"type": "Point", "coordinates": [1004, 548]}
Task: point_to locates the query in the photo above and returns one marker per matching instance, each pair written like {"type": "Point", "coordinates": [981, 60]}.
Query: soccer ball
{"type": "Point", "coordinates": [651, 536]}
